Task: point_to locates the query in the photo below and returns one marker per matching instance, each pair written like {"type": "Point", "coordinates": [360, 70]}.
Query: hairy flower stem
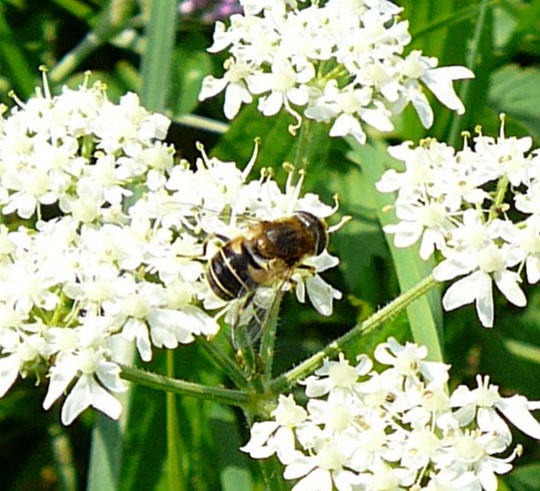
{"type": "Point", "coordinates": [268, 340]}
{"type": "Point", "coordinates": [160, 382]}
{"type": "Point", "coordinates": [307, 367]}
{"type": "Point", "coordinates": [220, 359]}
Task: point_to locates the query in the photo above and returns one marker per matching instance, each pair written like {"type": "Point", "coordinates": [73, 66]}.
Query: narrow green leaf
{"type": "Point", "coordinates": [235, 473]}
{"type": "Point", "coordinates": [105, 456]}
{"type": "Point", "coordinates": [76, 8]}
{"type": "Point", "coordinates": [480, 46]}
{"type": "Point", "coordinates": [144, 449]}
{"type": "Point", "coordinates": [13, 57]}
{"type": "Point", "coordinates": [156, 61]}
{"type": "Point", "coordinates": [425, 315]}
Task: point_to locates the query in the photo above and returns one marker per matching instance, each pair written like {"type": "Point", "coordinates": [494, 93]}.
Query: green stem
{"type": "Point", "coordinates": [301, 159]}
{"type": "Point", "coordinates": [495, 208]}
{"type": "Point", "coordinates": [160, 382]}
{"type": "Point", "coordinates": [470, 63]}
{"type": "Point", "coordinates": [268, 341]}
{"type": "Point", "coordinates": [76, 8]}
{"type": "Point", "coordinates": [174, 439]}
{"type": "Point", "coordinates": [202, 123]}
{"type": "Point", "coordinates": [224, 362]}
{"type": "Point", "coordinates": [336, 73]}
{"type": "Point", "coordinates": [270, 468]}
{"type": "Point", "coordinates": [111, 21]}
{"type": "Point", "coordinates": [284, 381]}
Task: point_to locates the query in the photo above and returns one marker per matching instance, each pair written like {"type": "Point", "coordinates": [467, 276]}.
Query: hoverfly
{"type": "Point", "coordinates": [266, 255]}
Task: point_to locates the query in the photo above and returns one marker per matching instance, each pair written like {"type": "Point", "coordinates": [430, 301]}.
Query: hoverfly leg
{"type": "Point", "coordinates": [307, 267]}
{"type": "Point", "coordinates": [205, 243]}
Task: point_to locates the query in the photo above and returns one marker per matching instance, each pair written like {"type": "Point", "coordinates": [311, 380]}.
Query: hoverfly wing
{"type": "Point", "coordinates": [252, 315]}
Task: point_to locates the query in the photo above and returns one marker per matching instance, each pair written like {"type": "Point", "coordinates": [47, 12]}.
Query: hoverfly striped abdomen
{"type": "Point", "coordinates": [229, 271]}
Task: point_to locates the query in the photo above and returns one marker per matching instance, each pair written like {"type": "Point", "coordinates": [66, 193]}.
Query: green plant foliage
{"type": "Point", "coordinates": [162, 55]}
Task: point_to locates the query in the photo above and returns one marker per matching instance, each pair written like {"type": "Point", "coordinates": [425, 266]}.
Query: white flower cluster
{"type": "Point", "coordinates": [480, 207]}
{"type": "Point", "coordinates": [397, 429]}
{"type": "Point", "coordinates": [338, 61]}
{"type": "Point", "coordinates": [121, 261]}
{"type": "Point", "coordinates": [78, 150]}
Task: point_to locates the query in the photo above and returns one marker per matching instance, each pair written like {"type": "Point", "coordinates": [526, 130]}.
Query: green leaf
{"type": "Point", "coordinates": [15, 60]}
{"type": "Point", "coordinates": [104, 468]}
{"type": "Point", "coordinates": [425, 315]}
{"type": "Point", "coordinates": [515, 91]}
{"type": "Point", "coordinates": [235, 472]}
{"type": "Point", "coordinates": [525, 478]}
{"type": "Point", "coordinates": [156, 62]}
{"type": "Point", "coordinates": [237, 143]}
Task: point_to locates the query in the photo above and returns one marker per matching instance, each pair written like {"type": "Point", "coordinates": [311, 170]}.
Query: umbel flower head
{"type": "Point", "coordinates": [394, 429]}
{"type": "Point", "coordinates": [479, 207]}
{"type": "Point", "coordinates": [121, 260]}
{"type": "Point", "coordinates": [338, 61]}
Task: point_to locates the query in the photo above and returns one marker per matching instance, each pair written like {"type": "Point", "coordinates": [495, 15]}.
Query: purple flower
{"type": "Point", "coordinates": [209, 11]}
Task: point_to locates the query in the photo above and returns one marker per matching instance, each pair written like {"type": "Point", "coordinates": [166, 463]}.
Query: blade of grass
{"type": "Point", "coordinates": [456, 17]}
{"type": "Point", "coordinates": [425, 315]}
{"type": "Point", "coordinates": [105, 455]}
{"type": "Point", "coordinates": [76, 8]}
{"type": "Point", "coordinates": [13, 57]}
{"type": "Point", "coordinates": [472, 59]}
{"type": "Point", "coordinates": [156, 61]}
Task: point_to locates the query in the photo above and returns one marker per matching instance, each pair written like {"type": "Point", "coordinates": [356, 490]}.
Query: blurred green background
{"type": "Point", "coordinates": [154, 49]}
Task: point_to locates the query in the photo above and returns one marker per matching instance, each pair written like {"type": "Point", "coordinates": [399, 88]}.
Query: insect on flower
{"type": "Point", "coordinates": [266, 256]}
